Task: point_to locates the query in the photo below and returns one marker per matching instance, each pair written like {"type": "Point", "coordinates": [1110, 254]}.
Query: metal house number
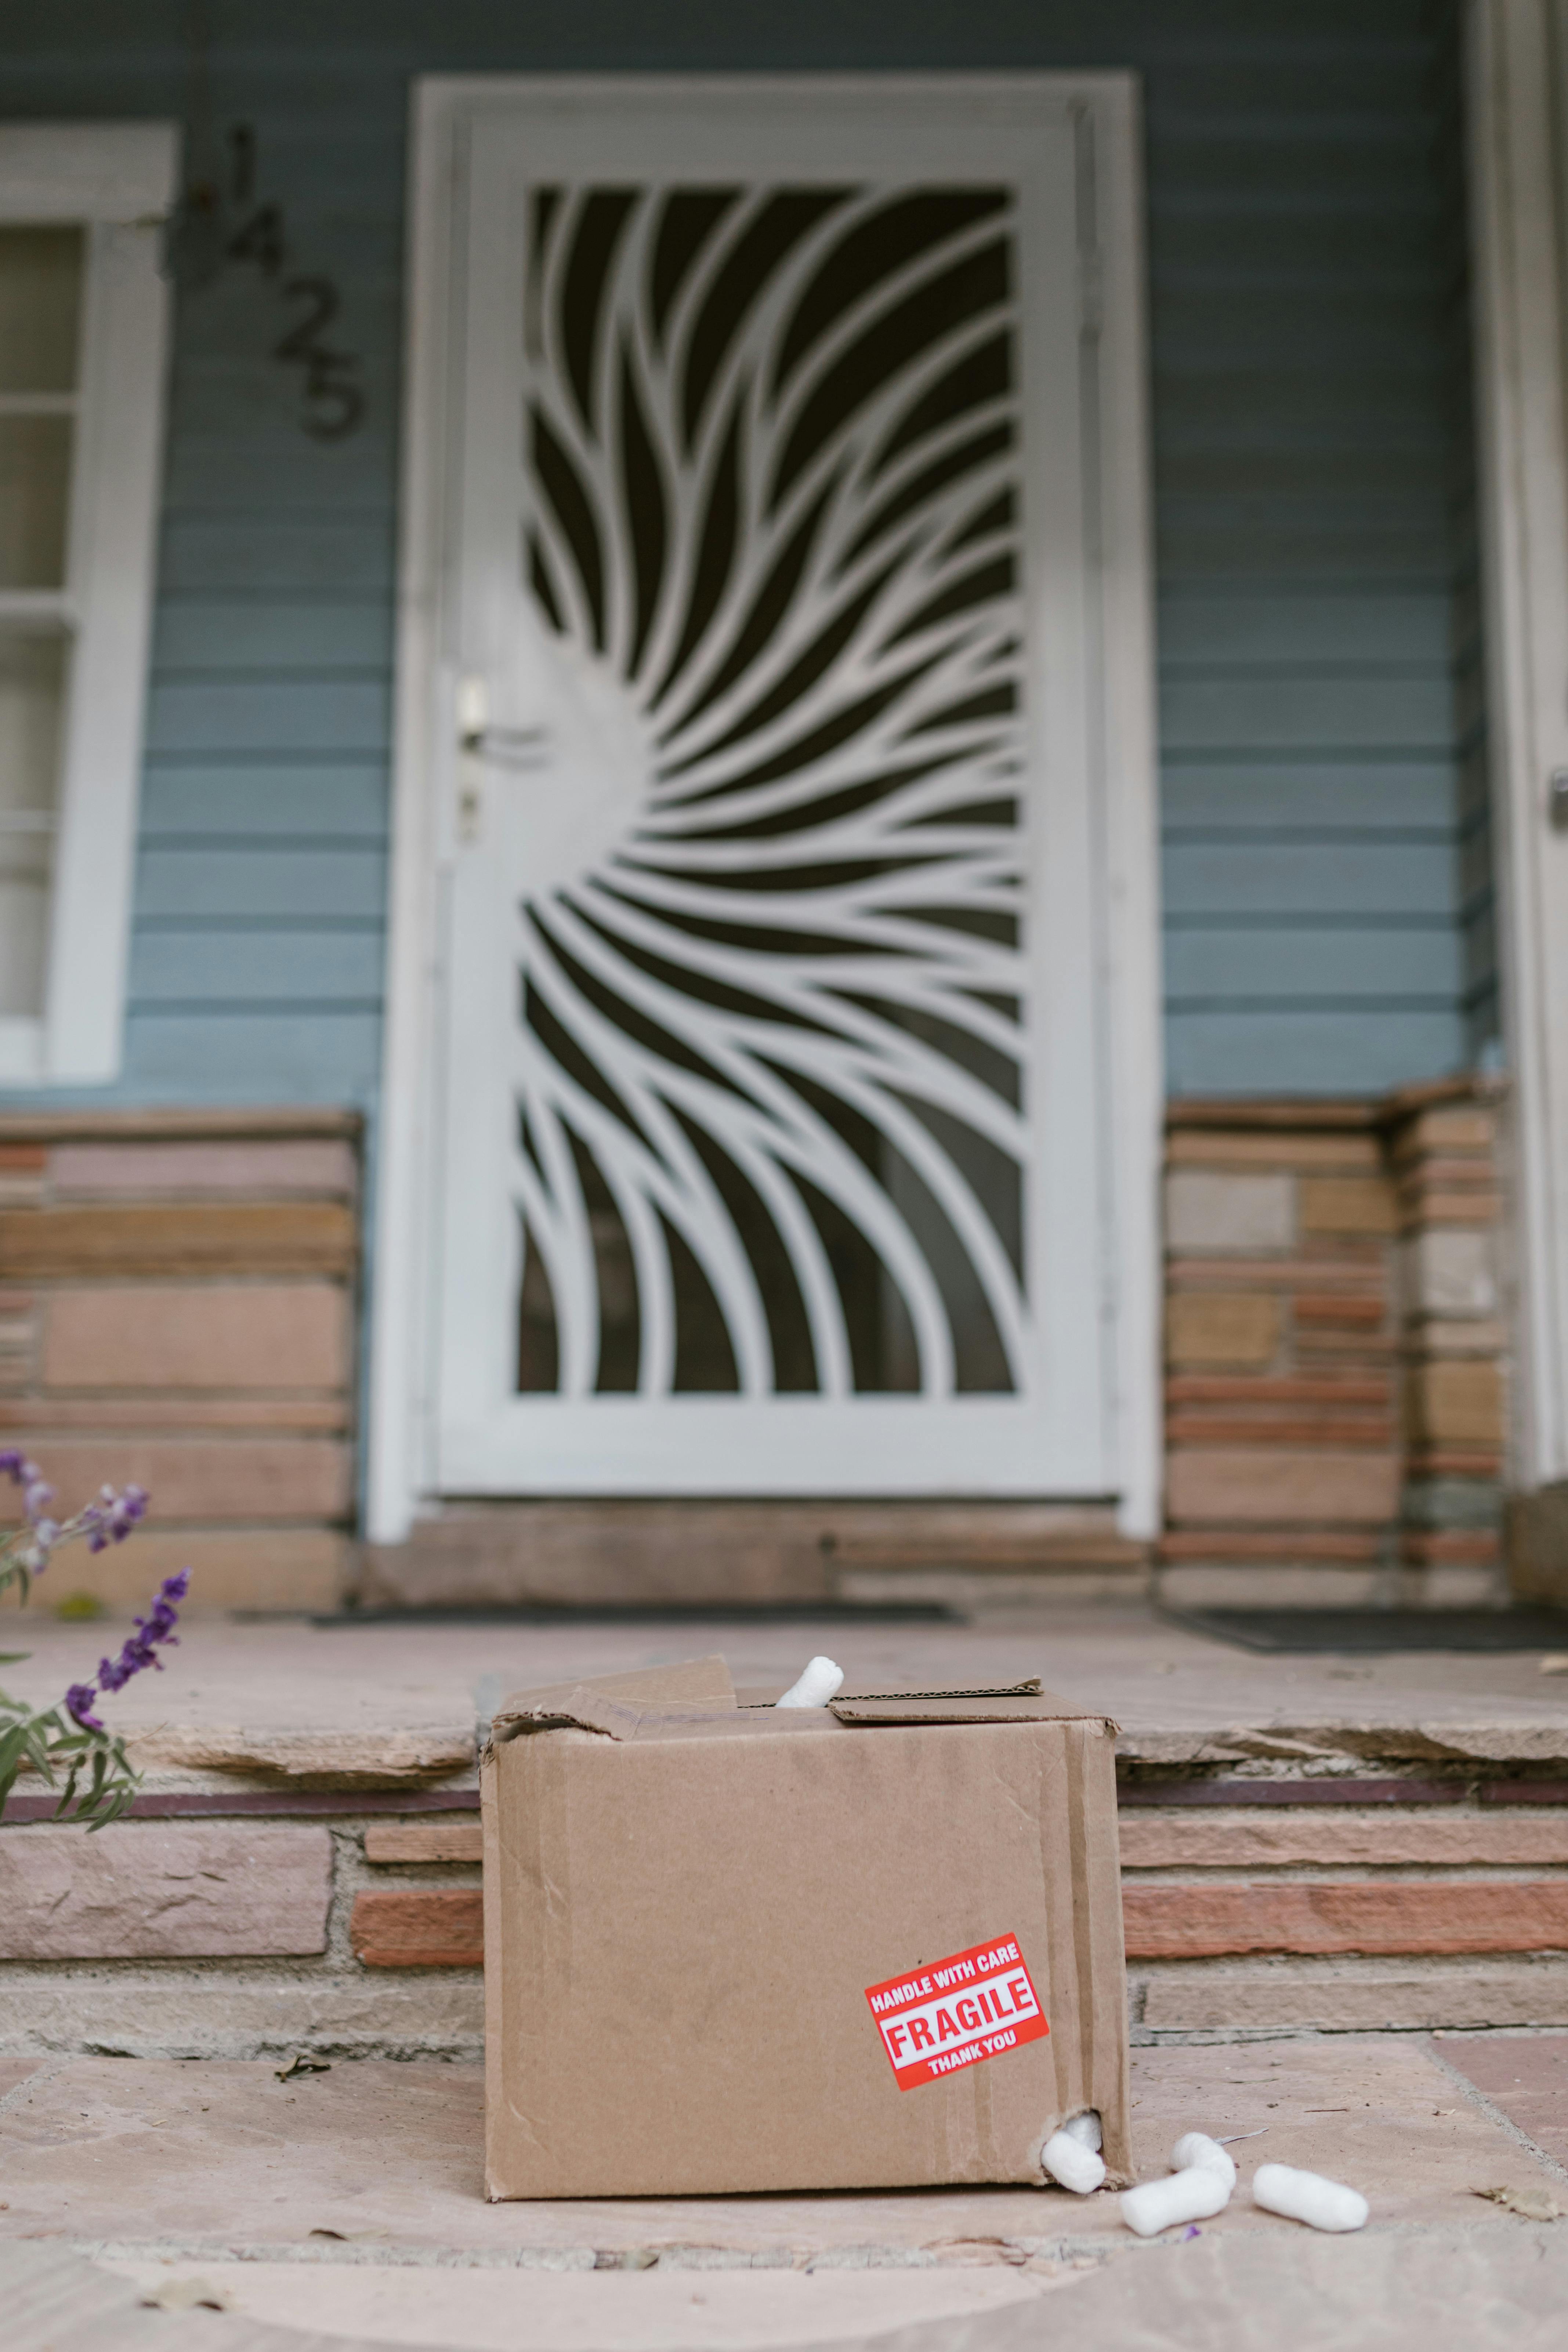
{"type": "Point", "coordinates": [331, 403]}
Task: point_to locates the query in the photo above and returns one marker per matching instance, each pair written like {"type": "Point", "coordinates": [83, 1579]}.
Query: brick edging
{"type": "Point", "coordinates": [213, 1804]}
{"type": "Point", "coordinates": [294, 1803]}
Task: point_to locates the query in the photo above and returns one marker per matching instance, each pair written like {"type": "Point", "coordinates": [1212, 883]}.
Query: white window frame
{"type": "Point", "coordinates": [116, 181]}
{"type": "Point", "coordinates": [1518, 88]}
{"type": "Point", "coordinates": [404, 1271]}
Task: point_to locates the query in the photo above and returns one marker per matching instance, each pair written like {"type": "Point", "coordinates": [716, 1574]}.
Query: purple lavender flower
{"type": "Point", "coordinates": [72, 1731]}
{"type": "Point", "coordinates": [156, 1628]}
{"type": "Point", "coordinates": [37, 1494]}
{"type": "Point", "coordinates": [111, 1519]}
{"type": "Point", "coordinates": [108, 1520]}
{"type": "Point", "coordinates": [79, 1706]}
{"type": "Point", "coordinates": [151, 1632]}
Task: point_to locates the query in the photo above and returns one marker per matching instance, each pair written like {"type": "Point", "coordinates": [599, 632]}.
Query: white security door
{"type": "Point", "coordinates": [773, 1106]}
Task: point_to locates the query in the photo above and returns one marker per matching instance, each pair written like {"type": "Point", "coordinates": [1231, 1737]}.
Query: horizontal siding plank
{"type": "Point", "coordinates": [1341, 323]}
{"type": "Point", "coordinates": [295, 712]}
{"type": "Point", "coordinates": [240, 633]}
{"type": "Point", "coordinates": [262, 881]}
{"type": "Point", "coordinates": [303, 551]}
{"type": "Point", "coordinates": [1255, 406]}
{"type": "Point", "coordinates": [1304, 538]}
{"type": "Point", "coordinates": [1301, 249]}
{"type": "Point", "coordinates": [213, 471]}
{"type": "Point", "coordinates": [1306, 877]}
{"type": "Point", "coordinates": [237, 314]}
{"type": "Point", "coordinates": [1375, 466]}
{"type": "Point", "coordinates": [259, 797]}
{"type": "Point", "coordinates": [1269, 965]}
{"type": "Point", "coordinates": [252, 401]}
{"type": "Point", "coordinates": [218, 1056]}
{"type": "Point", "coordinates": [1302, 797]}
{"type": "Point", "coordinates": [1284, 713]}
{"type": "Point", "coordinates": [190, 969]}
{"type": "Point", "coordinates": [1253, 164]}
{"type": "Point", "coordinates": [1357, 84]}
{"type": "Point", "coordinates": [1273, 631]}
{"type": "Point", "coordinates": [1284, 1049]}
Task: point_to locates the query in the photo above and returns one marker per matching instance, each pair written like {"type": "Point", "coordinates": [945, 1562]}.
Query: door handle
{"type": "Point", "coordinates": [507, 747]}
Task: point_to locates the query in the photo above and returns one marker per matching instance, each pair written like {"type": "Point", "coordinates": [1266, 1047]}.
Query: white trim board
{"type": "Point", "coordinates": [1128, 1043]}
{"type": "Point", "coordinates": [1517, 81]}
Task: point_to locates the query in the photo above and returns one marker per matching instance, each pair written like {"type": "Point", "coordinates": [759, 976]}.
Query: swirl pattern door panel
{"type": "Point", "coordinates": [771, 1160]}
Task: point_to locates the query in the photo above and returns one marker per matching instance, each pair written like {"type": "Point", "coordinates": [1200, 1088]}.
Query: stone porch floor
{"type": "Point", "coordinates": [345, 2208]}
{"type": "Point", "coordinates": [396, 1703]}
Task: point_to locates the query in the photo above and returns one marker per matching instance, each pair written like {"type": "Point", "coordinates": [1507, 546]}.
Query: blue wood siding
{"type": "Point", "coordinates": [1327, 874]}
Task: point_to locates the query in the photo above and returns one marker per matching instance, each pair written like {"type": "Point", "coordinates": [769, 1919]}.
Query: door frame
{"type": "Point", "coordinates": [1517, 90]}
{"type": "Point", "coordinates": [404, 1269]}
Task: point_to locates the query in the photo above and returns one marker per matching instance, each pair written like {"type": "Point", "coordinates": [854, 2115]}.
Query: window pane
{"type": "Point", "coordinates": [40, 303]}
{"type": "Point", "coordinates": [35, 497]}
{"type": "Point", "coordinates": [32, 694]}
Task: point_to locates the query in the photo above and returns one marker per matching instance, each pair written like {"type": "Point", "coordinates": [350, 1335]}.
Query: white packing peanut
{"type": "Point", "coordinates": [1192, 2195]}
{"type": "Point", "coordinates": [821, 1681]}
{"type": "Point", "coordinates": [1307, 2196]}
{"type": "Point", "coordinates": [1068, 2160]}
{"type": "Point", "coordinates": [1196, 2147]}
{"type": "Point", "coordinates": [1086, 2127]}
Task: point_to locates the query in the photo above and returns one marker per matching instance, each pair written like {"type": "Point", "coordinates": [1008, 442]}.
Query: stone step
{"type": "Point", "coordinates": [1308, 1841]}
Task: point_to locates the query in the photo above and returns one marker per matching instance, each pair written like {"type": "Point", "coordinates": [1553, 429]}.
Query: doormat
{"type": "Point", "coordinates": [1378, 1632]}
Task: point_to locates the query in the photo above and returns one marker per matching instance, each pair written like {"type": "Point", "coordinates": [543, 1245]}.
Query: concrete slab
{"type": "Point", "coordinates": [1375, 2110]}
{"type": "Point", "coordinates": [396, 1703]}
{"type": "Point", "coordinates": [651, 2311]}
{"type": "Point", "coordinates": [1500, 2289]}
{"type": "Point", "coordinates": [16, 2070]}
{"type": "Point", "coordinates": [1493, 2290]}
{"type": "Point", "coordinates": [380, 2161]}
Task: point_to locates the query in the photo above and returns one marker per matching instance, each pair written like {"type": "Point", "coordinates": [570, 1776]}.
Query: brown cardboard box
{"type": "Point", "coordinates": [689, 1899]}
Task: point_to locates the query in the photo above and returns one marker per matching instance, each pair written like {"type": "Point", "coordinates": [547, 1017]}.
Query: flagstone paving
{"type": "Point", "coordinates": [198, 2157]}
{"type": "Point", "coordinates": [346, 2206]}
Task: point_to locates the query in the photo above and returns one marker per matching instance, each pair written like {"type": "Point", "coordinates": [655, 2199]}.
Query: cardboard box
{"type": "Point", "coordinates": [727, 1947]}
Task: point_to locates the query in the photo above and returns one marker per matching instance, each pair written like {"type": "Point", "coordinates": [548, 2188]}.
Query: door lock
{"type": "Point", "coordinates": [1557, 800]}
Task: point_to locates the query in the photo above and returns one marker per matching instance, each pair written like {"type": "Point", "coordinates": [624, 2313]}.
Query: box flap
{"type": "Point", "coordinates": [615, 1703]}
{"type": "Point", "coordinates": [770, 1694]}
{"type": "Point", "coordinates": [1026, 1686]}
{"type": "Point", "coordinates": [964, 1706]}
{"type": "Point", "coordinates": [659, 1701]}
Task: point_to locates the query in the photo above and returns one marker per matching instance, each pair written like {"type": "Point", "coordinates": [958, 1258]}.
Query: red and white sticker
{"type": "Point", "coordinates": [957, 2013]}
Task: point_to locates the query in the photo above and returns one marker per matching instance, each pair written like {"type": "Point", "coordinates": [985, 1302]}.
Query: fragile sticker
{"type": "Point", "coordinates": [957, 2013]}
